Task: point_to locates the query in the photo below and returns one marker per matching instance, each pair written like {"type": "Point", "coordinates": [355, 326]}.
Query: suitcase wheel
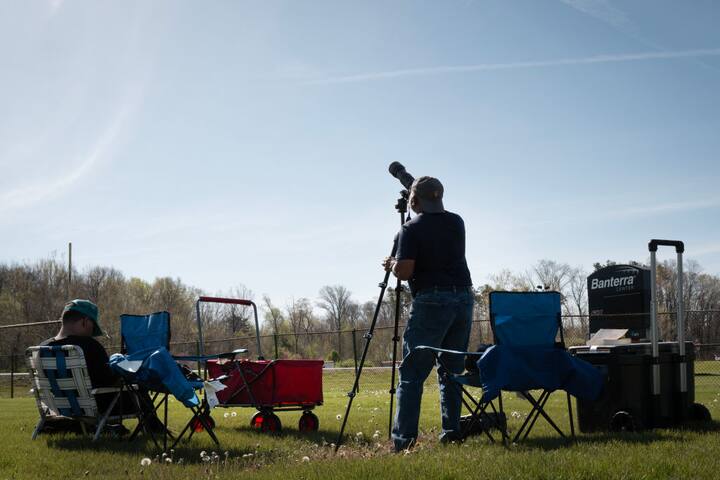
{"type": "Point", "coordinates": [623, 421]}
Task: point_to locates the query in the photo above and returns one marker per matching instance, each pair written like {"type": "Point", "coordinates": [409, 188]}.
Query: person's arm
{"type": "Point", "coordinates": [402, 269]}
{"type": "Point", "coordinates": [403, 265]}
{"type": "Point", "coordinates": [98, 366]}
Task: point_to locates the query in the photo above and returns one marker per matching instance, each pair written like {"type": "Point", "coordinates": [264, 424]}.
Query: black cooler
{"type": "Point", "coordinates": [627, 402]}
{"type": "Point", "coordinates": [648, 384]}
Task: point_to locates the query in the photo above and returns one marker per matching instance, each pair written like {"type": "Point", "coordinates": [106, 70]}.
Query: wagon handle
{"type": "Point", "coordinates": [232, 301]}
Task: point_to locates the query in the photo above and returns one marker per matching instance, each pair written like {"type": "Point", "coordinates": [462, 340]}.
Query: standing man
{"type": "Point", "coordinates": [431, 255]}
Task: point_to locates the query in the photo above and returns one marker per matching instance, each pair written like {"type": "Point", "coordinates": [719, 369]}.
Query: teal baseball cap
{"type": "Point", "coordinates": [87, 308]}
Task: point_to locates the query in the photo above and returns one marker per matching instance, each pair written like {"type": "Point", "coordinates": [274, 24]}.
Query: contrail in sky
{"type": "Point", "coordinates": [484, 67]}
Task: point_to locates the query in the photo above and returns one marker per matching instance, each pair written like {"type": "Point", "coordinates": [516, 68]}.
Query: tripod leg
{"type": "Point", "coordinates": [402, 209]}
{"type": "Point", "coordinates": [396, 340]}
{"type": "Point", "coordinates": [368, 336]}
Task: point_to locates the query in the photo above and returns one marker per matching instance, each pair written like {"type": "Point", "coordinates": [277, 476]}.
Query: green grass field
{"type": "Point", "coordinates": [689, 453]}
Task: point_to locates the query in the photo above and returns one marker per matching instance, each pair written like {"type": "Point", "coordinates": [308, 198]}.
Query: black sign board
{"type": "Point", "coordinates": [618, 290]}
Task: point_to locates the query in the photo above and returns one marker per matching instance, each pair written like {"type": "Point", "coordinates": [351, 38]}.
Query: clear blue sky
{"type": "Point", "coordinates": [235, 142]}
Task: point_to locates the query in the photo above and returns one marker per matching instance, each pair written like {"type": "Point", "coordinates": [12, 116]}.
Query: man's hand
{"type": "Point", "coordinates": [402, 269]}
{"type": "Point", "coordinates": [388, 263]}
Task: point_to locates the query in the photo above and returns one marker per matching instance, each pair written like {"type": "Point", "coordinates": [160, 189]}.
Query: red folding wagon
{"type": "Point", "coordinates": [267, 385]}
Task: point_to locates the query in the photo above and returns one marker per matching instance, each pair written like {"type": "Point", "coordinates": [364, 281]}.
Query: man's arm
{"type": "Point", "coordinates": [402, 269]}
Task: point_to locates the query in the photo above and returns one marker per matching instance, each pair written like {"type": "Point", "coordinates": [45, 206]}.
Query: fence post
{"type": "Point", "coordinates": [355, 357]}
{"type": "Point", "coordinates": [275, 339]}
{"type": "Point", "coordinates": [12, 373]}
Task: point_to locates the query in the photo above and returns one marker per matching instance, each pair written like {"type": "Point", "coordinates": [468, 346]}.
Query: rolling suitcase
{"type": "Point", "coordinates": [648, 385]}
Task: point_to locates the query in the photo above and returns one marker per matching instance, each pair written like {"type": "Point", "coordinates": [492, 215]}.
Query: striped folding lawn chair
{"type": "Point", "coordinates": [62, 389]}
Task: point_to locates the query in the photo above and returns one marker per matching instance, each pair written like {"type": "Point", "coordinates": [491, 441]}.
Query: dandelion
{"type": "Point", "coordinates": [376, 436]}
{"type": "Point", "coordinates": [203, 454]}
{"type": "Point", "coordinates": [338, 416]}
{"type": "Point", "coordinates": [168, 460]}
{"type": "Point", "coordinates": [233, 414]}
{"type": "Point", "coordinates": [145, 462]}
{"type": "Point", "coordinates": [226, 415]}
{"type": "Point", "coordinates": [306, 459]}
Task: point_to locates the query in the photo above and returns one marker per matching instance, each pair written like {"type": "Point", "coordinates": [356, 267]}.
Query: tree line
{"type": "Point", "coordinates": [304, 327]}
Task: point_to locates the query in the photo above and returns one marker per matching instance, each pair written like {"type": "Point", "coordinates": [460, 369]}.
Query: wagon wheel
{"type": "Point", "coordinates": [309, 422]}
{"type": "Point", "coordinates": [266, 422]}
{"type": "Point", "coordinates": [197, 425]}
{"type": "Point", "coordinates": [622, 421]}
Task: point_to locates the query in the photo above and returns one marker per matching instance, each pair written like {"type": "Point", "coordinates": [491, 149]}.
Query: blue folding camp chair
{"type": "Point", "coordinates": [527, 355]}
{"type": "Point", "coordinates": [527, 325]}
{"type": "Point", "coordinates": [146, 361]}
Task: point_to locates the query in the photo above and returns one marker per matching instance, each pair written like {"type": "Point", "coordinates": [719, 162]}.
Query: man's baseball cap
{"type": "Point", "coordinates": [87, 308]}
{"type": "Point", "coordinates": [429, 191]}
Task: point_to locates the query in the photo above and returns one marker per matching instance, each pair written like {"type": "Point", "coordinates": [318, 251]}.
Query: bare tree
{"type": "Point", "coordinates": [273, 315]}
{"type": "Point", "coordinates": [299, 315]}
{"type": "Point", "coordinates": [507, 280]}
{"type": "Point", "coordinates": [335, 300]}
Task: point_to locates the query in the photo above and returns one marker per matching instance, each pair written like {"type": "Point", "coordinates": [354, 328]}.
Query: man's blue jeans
{"type": "Point", "coordinates": [438, 318]}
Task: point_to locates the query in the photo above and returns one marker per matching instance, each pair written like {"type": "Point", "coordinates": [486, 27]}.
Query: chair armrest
{"type": "Point", "coordinates": [101, 390]}
{"type": "Point", "coordinates": [444, 350]}
{"type": "Point", "coordinates": [201, 358]}
{"type": "Point", "coordinates": [111, 389]}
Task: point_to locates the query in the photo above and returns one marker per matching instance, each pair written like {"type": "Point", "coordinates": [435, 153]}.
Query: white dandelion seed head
{"type": "Point", "coordinates": [145, 462]}
{"type": "Point", "coordinates": [226, 415]}
{"type": "Point", "coordinates": [306, 459]}
{"type": "Point", "coordinates": [338, 416]}
{"type": "Point", "coordinates": [168, 460]}
{"type": "Point", "coordinates": [233, 414]}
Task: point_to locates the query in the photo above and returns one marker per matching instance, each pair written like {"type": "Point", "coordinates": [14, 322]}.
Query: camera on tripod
{"type": "Point", "coordinates": [398, 171]}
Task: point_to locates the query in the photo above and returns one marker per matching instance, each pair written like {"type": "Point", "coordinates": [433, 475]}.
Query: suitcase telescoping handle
{"type": "Point", "coordinates": [679, 249]}
{"type": "Point", "coordinates": [231, 301]}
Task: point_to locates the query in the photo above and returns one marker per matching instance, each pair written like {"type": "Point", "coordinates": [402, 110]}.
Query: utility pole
{"type": "Point", "coordinates": [69, 282]}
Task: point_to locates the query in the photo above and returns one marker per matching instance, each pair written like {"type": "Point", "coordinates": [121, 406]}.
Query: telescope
{"type": "Point", "coordinates": [398, 171]}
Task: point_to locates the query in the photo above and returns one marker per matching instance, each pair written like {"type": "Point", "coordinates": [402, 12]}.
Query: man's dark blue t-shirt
{"type": "Point", "coordinates": [436, 241]}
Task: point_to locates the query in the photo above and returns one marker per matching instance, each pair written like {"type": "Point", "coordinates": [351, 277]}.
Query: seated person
{"type": "Point", "coordinates": [79, 325]}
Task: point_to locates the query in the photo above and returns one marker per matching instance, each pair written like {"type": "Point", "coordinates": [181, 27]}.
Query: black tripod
{"type": "Point", "coordinates": [401, 207]}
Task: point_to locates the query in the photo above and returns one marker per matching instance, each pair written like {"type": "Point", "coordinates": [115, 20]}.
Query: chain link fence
{"type": "Point", "coordinates": [342, 350]}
